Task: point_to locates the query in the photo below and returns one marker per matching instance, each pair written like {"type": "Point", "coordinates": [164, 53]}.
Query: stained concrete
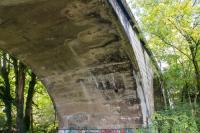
{"type": "Point", "coordinates": [79, 51]}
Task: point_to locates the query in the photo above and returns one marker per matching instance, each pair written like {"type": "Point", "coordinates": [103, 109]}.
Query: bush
{"type": "Point", "coordinates": [172, 121]}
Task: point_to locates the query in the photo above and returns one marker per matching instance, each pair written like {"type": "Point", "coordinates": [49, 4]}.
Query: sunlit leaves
{"type": "Point", "coordinates": [175, 121]}
{"type": "Point", "coordinates": [169, 25]}
{"type": "Point", "coordinates": [172, 28]}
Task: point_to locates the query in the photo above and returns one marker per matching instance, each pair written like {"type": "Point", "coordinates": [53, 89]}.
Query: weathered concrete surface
{"type": "Point", "coordinates": [144, 76]}
{"type": "Point", "coordinates": [96, 78]}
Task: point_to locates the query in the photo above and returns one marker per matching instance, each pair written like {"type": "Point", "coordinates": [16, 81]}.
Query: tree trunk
{"type": "Point", "coordinates": [8, 98]}
{"type": "Point", "coordinates": [8, 111]}
{"type": "Point", "coordinates": [20, 99]}
{"type": "Point", "coordinates": [164, 94]}
{"type": "Point", "coordinates": [29, 100]}
{"type": "Point", "coordinates": [196, 67]}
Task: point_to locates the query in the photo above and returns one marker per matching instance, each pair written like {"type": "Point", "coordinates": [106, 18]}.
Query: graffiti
{"type": "Point", "coordinates": [128, 130]}
{"type": "Point", "coordinates": [96, 131]}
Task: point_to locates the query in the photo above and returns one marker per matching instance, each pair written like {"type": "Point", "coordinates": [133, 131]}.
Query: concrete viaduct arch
{"type": "Point", "coordinates": [88, 55]}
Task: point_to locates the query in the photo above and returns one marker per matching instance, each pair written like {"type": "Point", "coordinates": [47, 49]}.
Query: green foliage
{"type": "Point", "coordinates": [2, 119]}
{"type": "Point", "coordinates": [172, 29]}
{"type": "Point", "coordinates": [42, 107]}
{"type": "Point", "coordinates": [174, 121]}
{"type": "Point", "coordinates": [43, 111]}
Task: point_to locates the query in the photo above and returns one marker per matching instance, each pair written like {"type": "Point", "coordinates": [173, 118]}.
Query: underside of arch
{"type": "Point", "coordinates": [80, 51]}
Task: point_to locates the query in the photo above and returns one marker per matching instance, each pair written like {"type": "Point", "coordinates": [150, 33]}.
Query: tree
{"type": "Point", "coordinates": [20, 98]}
{"type": "Point", "coordinates": [172, 30]}
{"type": "Point", "coordinates": [29, 101]}
{"type": "Point", "coordinates": [5, 93]}
{"type": "Point", "coordinates": [24, 98]}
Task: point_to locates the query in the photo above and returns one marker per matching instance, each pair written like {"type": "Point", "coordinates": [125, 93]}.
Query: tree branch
{"type": "Point", "coordinates": [168, 43]}
{"type": "Point", "coordinates": [187, 37]}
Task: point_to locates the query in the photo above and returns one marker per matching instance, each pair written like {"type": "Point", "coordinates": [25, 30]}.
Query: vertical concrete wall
{"type": "Point", "coordinates": [144, 77]}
